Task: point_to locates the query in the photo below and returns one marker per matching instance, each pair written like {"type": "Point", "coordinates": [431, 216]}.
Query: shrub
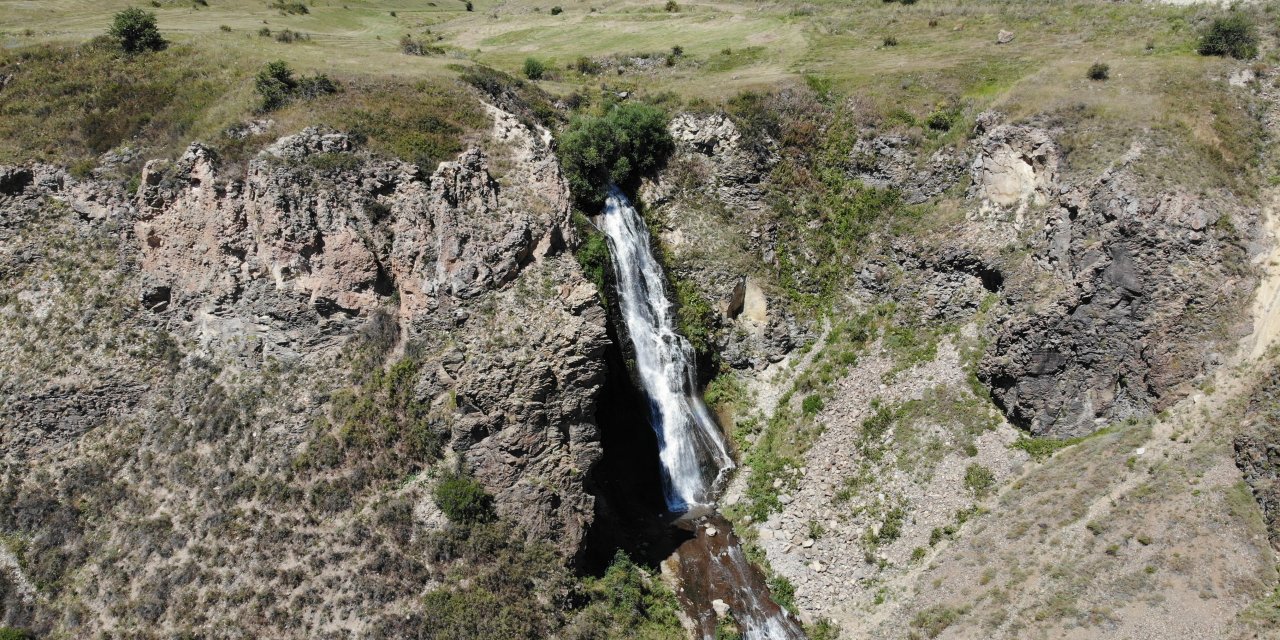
{"type": "Point", "coordinates": [534, 68]}
{"type": "Point", "coordinates": [783, 592]}
{"type": "Point", "coordinates": [944, 117]}
{"type": "Point", "coordinates": [470, 7]}
{"type": "Point", "coordinates": [274, 84]}
{"type": "Point", "coordinates": [463, 500]}
{"type": "Point", "coordinates": [135, 31]}
{"type": "Point", "coordinates": [289, 36]}
{"type": "Point", "coordinates": [557, 10]}
{"type": "Point", "coordinates": [812, 404]}
{"type": "Point", "coordinates": [586, 66]}
{"type": "Point", "coordinates": [225, 28]}
{"type": "Point", "coordinates": [413, 47]}
{"type": "Point", "coordinates": [11, 633]}
{"type": "Point", "coordinates": [978, 479]}
{"type": "Point", "coordinates": [1099, 71]}
{"type": "Point", "coordinates": [671, 7]}
{"type": "Point", "coordinates": [593, 256]}
{"type": "Point", "coordinates": [629, 141]}
{"type": "Point", "coordinates": [890, 41]}
{"type": "Point", "coordinates": [316, 86]}
{"type": "Point", "coordinates": [1232, 35]}
{"type": "Point", "coordinates": [935, 619]}
{"type": "Point", "coordinates": [289, 8]}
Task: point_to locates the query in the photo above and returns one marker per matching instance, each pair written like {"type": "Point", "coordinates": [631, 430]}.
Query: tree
{"type": "Point", "coordinates": [135, 31]}
{"type": "Point", "coordinates": [1232, 35]}
{"type": "Point", "coordinates": [629, 141]}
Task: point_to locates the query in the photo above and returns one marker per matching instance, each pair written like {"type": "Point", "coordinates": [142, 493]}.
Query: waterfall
{"type": "Point", "coordinates": [691, 448]}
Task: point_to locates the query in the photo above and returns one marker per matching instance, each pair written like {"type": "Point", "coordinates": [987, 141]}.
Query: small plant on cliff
{"type": "Point", "coordinates": [1232, 35]}
{"type": "Point", "coordinates": [979, 479]}
{"type": "Point", "coordinates": [135, 31]}
{"type": "Point", "coordinates": [463, 500]}
{"type": "Point", "coordinates": [629, 141]}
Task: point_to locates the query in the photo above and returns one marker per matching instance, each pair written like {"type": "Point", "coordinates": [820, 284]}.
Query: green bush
{"type": "Point", "coordinates": [1099, 71]}
{"type": "Point", "coordinates": [11, 633]}
{"type": "Point", "coordinates": [812, 404]}
{"type": "Point", "coordinates": [289, 8]}
{"type": "Point", "coordinates": [979, 479]}
{"type": "Point", "coordinates": [557, 10]}
{"type": "Point", "coordinates": [534, 68]}
{"type": "Point", "coordinates": [823, 629]}
{"type": "Point", "coordinates": [463, 500]}
{"type": "Point", "coordinates": [135, 31]}
{"type": "Point", "coordinates": [593, 256]}
{"type": "Point", "coordinates": [934, 620]}
{"type": "Point", "coordinates": [783, 592]}
{"type": "Point", "coordinates": [625, 603]}
{"type": "Point", "coordinates": [1232, 35]}
{"type": "Point", "coordinates": [671, 7]}
{"type": "Point", "coordinates": [274, 84]}
{"type": "Point", "coordinates": [629, 141]}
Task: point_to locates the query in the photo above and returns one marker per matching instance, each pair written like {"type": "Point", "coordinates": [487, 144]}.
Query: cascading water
{"type": "Point", "coordinates": [692, 450]}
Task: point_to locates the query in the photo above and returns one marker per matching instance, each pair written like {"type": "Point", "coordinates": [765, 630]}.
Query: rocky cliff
{"type": "Point", "coordinates": [233, 390]}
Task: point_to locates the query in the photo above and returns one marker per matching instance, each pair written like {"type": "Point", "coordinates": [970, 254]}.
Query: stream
{"type": "Point", "coordinates": [714, 573]}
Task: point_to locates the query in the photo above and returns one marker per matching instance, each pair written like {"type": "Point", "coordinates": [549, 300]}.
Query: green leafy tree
{"type": "Point", "coordinates": [629, 141]}
{"type": "Point", "coordinates": [136, 32]}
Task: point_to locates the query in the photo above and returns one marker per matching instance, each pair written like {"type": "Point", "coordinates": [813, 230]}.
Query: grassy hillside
{"type": "Point", "coordinates": [902, 62]}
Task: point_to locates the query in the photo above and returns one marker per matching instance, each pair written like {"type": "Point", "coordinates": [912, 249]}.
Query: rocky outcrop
{"type": "Point", "coordinates": [1014, 167]}
{"type": "Point", "coordinates": [1126, 297]}
{"type": "Point", "coordinates": [891, 161]}
{"type": "Point", "coordinates": [714, 143]}
{"type": "Point", "coordinates": [1257, 451]}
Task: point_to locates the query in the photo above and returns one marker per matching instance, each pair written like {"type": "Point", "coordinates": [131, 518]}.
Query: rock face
{"type": "Point", "coordinates": [888, 161]}
{"type": "Point", "coordinates": [735, 171]}
{"type": "Point", "coordinates": [1014, 167]}
{"type": "Point", "coordinates": [349, 240]}
{"type": "Point", "coordinates": [1257, 452]}
{"type": "Point", "coordinates": [1126, 296]}
{"type": "Point", "coordinates": [211, 325]}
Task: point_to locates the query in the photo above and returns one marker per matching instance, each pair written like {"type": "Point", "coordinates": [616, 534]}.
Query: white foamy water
{"type": "Point", "coordinates": [691, 447]}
